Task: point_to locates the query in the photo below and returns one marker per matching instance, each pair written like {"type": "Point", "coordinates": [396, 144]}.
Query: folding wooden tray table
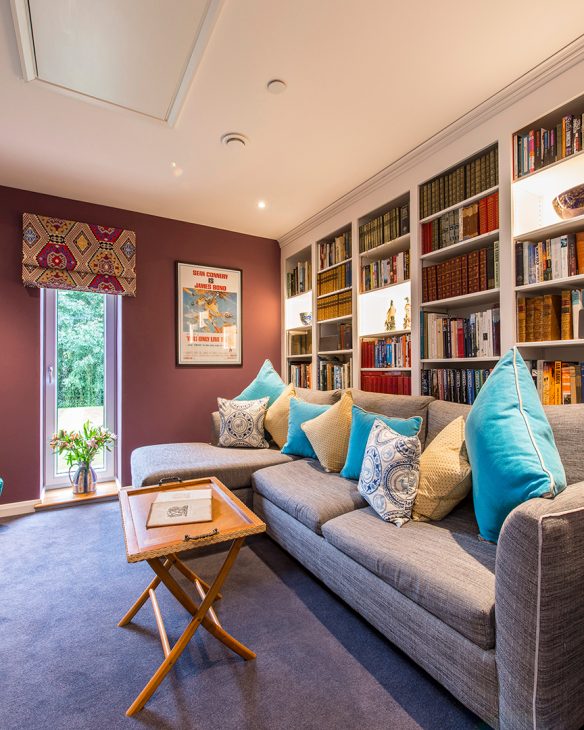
{"type": "Point", "coordinates": [160, 546]}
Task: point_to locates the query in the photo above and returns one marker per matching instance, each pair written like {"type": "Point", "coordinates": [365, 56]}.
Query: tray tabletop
{"type": "Point", "coordinates": [231, 519]}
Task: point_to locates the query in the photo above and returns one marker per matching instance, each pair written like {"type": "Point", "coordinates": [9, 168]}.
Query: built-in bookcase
{"type": "Point", "coordinates": [460, 277]}
{"type": "Point", "coordinates": [549, 253]}
{"type": "Point", "coordinates": [298, 318]}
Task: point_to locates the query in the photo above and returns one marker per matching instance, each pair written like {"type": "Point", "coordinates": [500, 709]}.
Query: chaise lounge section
{"type": "Point", "coordinates": [500, 626]}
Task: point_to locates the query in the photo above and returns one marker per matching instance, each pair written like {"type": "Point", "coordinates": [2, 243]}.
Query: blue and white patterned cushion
{"type": "Point", "coordinates": [242, 423]}
{"type": "Point", "coordinates": [390, 473]}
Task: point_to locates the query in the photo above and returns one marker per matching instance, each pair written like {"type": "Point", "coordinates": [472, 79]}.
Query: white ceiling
{"type": "Point", "coordinates": [368, 80]}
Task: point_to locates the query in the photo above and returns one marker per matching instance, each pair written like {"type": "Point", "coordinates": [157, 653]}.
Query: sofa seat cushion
{"type": "Point", "coordinates": [306, 492]}
{"type": "Point", "coordinates": [442, 566]}
{"type": "Point", "coordinates": [233, 467]}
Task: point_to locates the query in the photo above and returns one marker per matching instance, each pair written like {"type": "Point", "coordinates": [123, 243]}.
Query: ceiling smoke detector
{"type": "Point", "coordinates": [276, 86]}
{"type": "Point", "coordinates": [234, 139]}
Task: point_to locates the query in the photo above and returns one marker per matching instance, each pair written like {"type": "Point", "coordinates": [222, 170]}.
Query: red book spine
{"type": "Point", "coordinates": [483, 216]}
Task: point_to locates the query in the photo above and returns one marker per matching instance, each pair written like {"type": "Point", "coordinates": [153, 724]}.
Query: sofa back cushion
{"type": "Point", "coordinates": [440, 414]}
{"type": "Point", "coordinates": [320, 397]}
{"type": "Point", "coordinates": [397, 406]}
{"type": "Point", "coordinates": [567, 423]}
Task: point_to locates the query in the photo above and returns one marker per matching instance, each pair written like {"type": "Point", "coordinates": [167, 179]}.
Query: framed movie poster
{"type": "Point", "coordinates": [208, 324]}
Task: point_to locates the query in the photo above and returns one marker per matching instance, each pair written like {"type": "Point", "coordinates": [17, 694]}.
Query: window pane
{"type": "Point", "coordinates": [80, 363]}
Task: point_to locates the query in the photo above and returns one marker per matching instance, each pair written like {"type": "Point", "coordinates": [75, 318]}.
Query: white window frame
{"type": "Point", "coordinates": [51, 480]}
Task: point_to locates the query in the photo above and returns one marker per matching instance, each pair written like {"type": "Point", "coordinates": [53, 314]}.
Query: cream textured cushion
{"type": "Point", "coordinates": [242, 423]}
{"type": "Point", "coordinates": [329, 433]}
{"type": "Point", "coordinates": [445, 474]}
{"type": "Point", "coordinates": [276, 422]}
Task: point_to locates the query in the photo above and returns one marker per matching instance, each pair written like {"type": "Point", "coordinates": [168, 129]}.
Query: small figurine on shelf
{"type": "Point", "coordinates": [408, 315]}
{"type": "Point", "coordinates": [390, 319]}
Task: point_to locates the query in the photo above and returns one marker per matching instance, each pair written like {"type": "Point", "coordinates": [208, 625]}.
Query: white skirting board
{"type": "Point", "coordinates": [17, 508]}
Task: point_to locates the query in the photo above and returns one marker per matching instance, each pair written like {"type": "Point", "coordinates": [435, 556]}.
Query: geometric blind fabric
{"type": "Point", "coordinates": [60, 254]}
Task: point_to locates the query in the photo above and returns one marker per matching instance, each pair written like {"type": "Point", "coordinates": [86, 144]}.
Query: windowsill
{"type": "Point", "coordinates": [54, 498]}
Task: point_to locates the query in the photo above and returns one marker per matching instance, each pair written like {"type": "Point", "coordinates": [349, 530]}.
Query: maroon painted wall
{"type": "Point", "coordinates": [160, 402]}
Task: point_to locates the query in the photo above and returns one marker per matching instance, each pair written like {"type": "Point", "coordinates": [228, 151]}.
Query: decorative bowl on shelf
{"type": "Point", "coordinates": [306, 318]}
{"type": "Point", "coordinates": [570, 203]}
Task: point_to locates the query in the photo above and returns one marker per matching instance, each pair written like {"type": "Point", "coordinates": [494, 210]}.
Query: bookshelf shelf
{"type": "Point", "coordinates": [396, 245]}
{"type": "Point", "coordinates": [307, 356]}
{"type": "Point", "coordinates": [462, 204]}
{"type": "Point", "coordinates": [393, 333]}
{"type": "Point", "coordinates": [385, 286]}
{"type": "Point", "coordinates": [300, 294]}
{"type": "Point", "coordinates": [333, 266]}
{"type": "Point", "coordinates": [552, 230]}
{"type": "Point", "coordinates": [335, 352]}
{"type": "Point", "coordinates": [563, 283]}
{"type": "Point", "coordinates": [481, 297]}
{"type": "Point", "coordinates": [470, 244]}
{"type": "Point", "coordinates": [336, 319]}
{"type": "Point", "coordinates": [336, 291]}
{"type": "Point", "coordinates": [459, 360]}
{"type": "Point", "coordinates": [551, 343]}
{"type": "Point", "coordinates": [300, 328]}
{"type": "Point", "coordinates": [385, 370]}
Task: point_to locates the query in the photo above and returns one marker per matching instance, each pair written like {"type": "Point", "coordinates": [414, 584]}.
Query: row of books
{"type": "Point", "coordinates": [392, 383]}
{"type": "Point", "coordinates": [301, 374]}
{"type": "Point", "coordinates": [476, 335]}
{"type": "Point", "coordinates": [458, 385]}
{"type": "Point", "coordinates": [538, 148]}
{"type": "Point", "coordinates": [393, 270]}
{"type": "Point", "coordinates": [333, 374]}
{"type": "Point", "coordinates": [385, 227]}
{"type": "Point", "coordinates": [554, 258]}
{"type": "Point", "coordinates": [558, 383]}
{"type": "Point", "coordinates": [340, 339]}
{"type": "Point", "coordinates": [299, 280]}
{"type": "Point", "coordinates": [465, 181]}
{"type": "Point", "coordinates": [459, 225]}
{"type": "Point", "coordinates": [300, 343]}
{"type": "Point", "coordinates": [334, 251]}
{"type": "Point", "coordinates": [334, 279]}
{"type": "Point", "coordinates": [387, 352]}
{"type": "Point", "coordinates": [472, 272]}
{"type": "Point", "coordinates": [550, 317]}
{"type": "Point", "coordinates": [336, 305]}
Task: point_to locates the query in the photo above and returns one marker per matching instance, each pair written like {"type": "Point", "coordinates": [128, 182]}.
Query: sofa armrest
{"type": "Point", "coordinates": [539, 612]}
{"type": "Point", "coordinates": [215, 428]}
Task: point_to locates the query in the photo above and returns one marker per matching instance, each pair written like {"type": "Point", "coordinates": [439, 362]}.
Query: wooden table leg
{"type": "Point", "coordinates": [199, 616]}
{"type": "Point", "coordinates": [143, 597]}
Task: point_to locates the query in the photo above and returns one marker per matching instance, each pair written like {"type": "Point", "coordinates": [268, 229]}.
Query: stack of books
{"type": "Point", "coordinates": [300, 375]}
{"type": "Point", "coordinates": [550, 317]}
{"type": "Point", "coordinates": [299, 279]}
{"type": "Point", "coordinates": [392, 383]}
{"type": "Point", "coordinates": [387, 352]}
{"type": "Point", "coordinates": [472, 272]}
{"type": "Point", "coordinates": [554, 258]}
{"type": "Point", "coordinates": [475, 335]}
{"type": "Point", "coordinates": [387, 271]}
{"type": "Point", "coordinates": [300, 343]}
{"type": "Point", "coordinates": [334, 251]}
{"type": "Point", "coordinates": [334, 279]}
{"type": "Point", "coordinates": [558, 383]}
{"type": "Point", "coordinates": [384, 227]}
{"type": "Point", "coordinates": [333, 374]}
{"type": "Point", "coordinates": [337, 305]}
{"type": "Point", "coordinates": [461, 224]}
{"type": "Point", "coordinates": [465, 181]}
{"type": "Point", "coordinates": [538, 148]}
{"type": "Point", "coordinates": [456, 385]}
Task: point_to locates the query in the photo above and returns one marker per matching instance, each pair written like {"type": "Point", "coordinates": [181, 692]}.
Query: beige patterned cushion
{"type": "Point", "coordinates": [329, 433]}
{"type": "Point", "coordinates": [242, 423]}
{"type": "Point", "coordinates": [445, 475]}
{"type": "Point", "coordinates": [276, 422]}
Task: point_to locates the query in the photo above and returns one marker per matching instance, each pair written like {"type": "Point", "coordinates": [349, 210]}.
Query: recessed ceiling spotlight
{"type": "Point", "coordinates": [234, 139]}
{"type": "Point", "coordinates": [261, 204]}
{"type": "Point", "coordinates": [276, 86]}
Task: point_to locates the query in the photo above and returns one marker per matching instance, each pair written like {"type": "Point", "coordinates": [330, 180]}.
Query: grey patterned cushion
{"type": "Point", "coordinates": [390, 473]}
{"type": "Point", "coordinates": [242, 423]}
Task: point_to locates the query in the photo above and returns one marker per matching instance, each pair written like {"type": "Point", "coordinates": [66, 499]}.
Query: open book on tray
{"type": "Point", "coordinates": [181, 507]}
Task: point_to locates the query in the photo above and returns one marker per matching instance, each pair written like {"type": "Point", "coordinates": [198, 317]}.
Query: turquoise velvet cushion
{"type": "Point", "coordinates": [297, 443]}
{"type": "Point", "coordinates": [267, 383]}
{"type": "Point", "coordinates": [361, 424]}
{"type": "Point", "coordinates": [510, 445]}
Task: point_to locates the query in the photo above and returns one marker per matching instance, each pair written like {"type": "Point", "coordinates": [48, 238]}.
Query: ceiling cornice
{"type": "Point", "coordinates": [533, 79]}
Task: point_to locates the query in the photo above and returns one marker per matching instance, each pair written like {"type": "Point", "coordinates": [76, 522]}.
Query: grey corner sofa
{"type": "Point", "coordinates": [501, 627]}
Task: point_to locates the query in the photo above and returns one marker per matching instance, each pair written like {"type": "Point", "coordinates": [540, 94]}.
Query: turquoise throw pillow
{"type": "Point", "coordinates": [361, 425]}
{"type": "Point", "coordinates": [510, 445]}
{"type": "Point", "coordinates": [267, 383]}
{"type": "Point", "coordinates": [297, 443]}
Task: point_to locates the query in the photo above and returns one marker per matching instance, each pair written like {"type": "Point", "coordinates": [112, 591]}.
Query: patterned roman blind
{"type": "Point", "coordinates": [60, 254]}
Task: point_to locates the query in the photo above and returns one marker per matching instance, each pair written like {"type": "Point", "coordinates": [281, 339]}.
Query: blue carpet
{"type": "Point", "coordinates": [64, 663]}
